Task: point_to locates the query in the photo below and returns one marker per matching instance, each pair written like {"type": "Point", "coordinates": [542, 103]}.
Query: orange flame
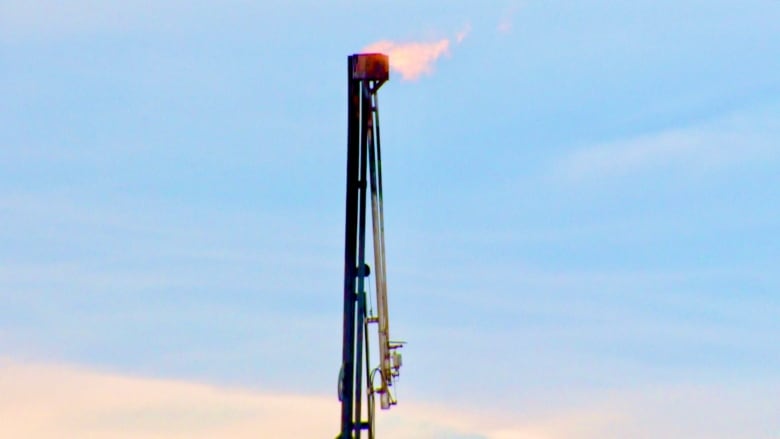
{"type": "Point", "coordinates": [415, 59]}
{"type": "Point", "coordinates": [411, 60]}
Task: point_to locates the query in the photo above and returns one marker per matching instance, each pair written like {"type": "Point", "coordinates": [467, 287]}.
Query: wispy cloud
{"type": "Point", "coordinates": [461, 36]}
{"type": "Point", "coordinates": [697, 148]}
{"type": "Point", "coordinates": [507, 20]}
{"type": "Point", "coordinates": [50, 18]}
{"type": "Point", "coordinates": [416, 59]}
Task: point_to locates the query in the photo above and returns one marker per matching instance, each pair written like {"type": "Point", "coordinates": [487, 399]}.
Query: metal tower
{"type": "Point", "coordinates": [365, 75]}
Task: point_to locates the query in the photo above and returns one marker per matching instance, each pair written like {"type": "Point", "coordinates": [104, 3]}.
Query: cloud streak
{"type": "Point", "coordinates": [50, 18]}
{"type": "Point", "coordinates": [506, 22]}
{"type": "Point", "coordinates": [698, 148]}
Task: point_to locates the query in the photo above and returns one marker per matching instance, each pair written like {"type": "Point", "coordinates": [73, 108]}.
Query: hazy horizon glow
{"type": "Point", "coordinates": [44, 401]}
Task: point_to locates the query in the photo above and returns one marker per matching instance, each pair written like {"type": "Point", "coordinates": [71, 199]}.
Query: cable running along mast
{"type": "Point", "coordinates": [366, 74]}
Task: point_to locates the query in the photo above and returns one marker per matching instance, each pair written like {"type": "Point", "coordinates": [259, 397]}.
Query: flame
{"type": "Point", "coordinates": [415, 59]}
{"type": "Point", "coordinates": [411, 60]}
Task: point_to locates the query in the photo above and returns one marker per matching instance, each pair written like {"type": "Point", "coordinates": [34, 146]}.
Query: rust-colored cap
{"type": "Point", "coordinates": [371, 66]}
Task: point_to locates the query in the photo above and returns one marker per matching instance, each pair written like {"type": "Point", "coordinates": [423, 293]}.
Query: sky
{"type": "Point", "coordinates": [582, 215]}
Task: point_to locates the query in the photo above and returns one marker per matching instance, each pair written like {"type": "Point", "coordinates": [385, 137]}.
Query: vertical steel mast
{"type": "Point", "coordinates": [365, 75]}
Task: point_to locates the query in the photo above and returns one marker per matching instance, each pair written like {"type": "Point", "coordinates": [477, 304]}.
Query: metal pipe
{"type": "Point", "coordinates": [379, 271]}
{"type": "Point", "coordinates": [347, 375]}
{"type": "Point", "coordinates": [365, 143]}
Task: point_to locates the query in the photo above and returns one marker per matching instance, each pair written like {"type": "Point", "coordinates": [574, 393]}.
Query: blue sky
{"type": "Point", "coordinates": [581, 204]}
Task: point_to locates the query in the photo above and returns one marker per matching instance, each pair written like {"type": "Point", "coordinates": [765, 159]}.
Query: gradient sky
{"type": "Point", "coordinates": [582, 206]}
